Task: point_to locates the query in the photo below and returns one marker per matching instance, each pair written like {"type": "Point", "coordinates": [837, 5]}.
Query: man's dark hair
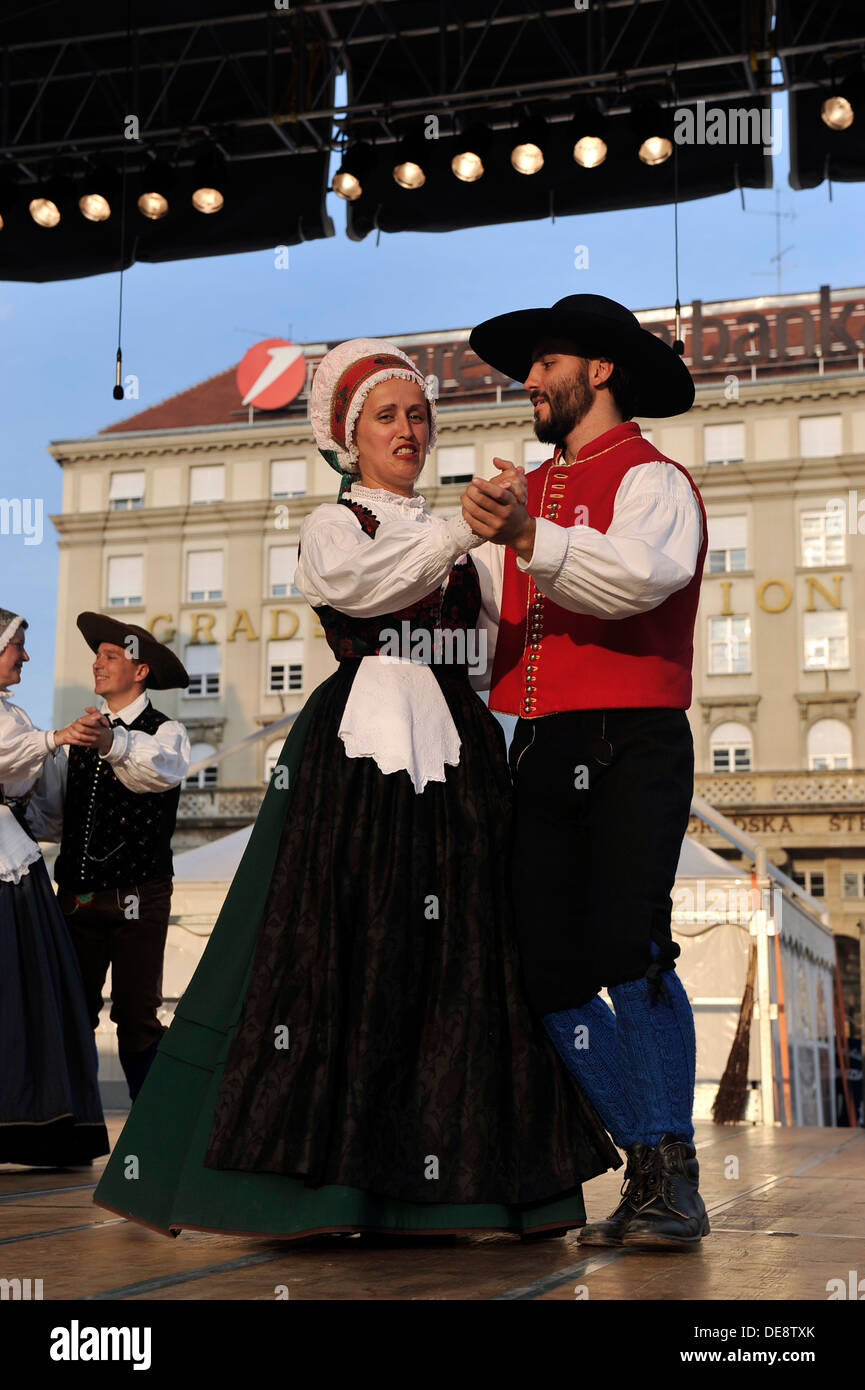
{"type": "Point", "coordinates": [620, 384]}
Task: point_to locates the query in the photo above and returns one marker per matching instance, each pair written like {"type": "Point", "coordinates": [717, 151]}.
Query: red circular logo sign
{"type": "Point", "coordinates": [271, 374]}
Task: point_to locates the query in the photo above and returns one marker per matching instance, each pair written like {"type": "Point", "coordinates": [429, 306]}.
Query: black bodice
{"type": "Point", "coordinates": [453, 606]}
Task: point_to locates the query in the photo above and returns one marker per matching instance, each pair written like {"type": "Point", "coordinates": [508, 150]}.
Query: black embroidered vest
{"type": "Point", "coordinates": [454, 606]}
{"type": "Point", "coordinates": [113, 837]}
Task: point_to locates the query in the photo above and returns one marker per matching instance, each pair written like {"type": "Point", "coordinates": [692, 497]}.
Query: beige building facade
{"type": "Point", "coordinates": [185, 518]}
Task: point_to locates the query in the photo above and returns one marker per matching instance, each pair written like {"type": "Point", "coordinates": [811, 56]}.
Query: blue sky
{"type": "Point", "coordinates": [186, 320]}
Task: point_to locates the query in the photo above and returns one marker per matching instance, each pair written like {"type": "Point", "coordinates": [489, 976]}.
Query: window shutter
{"type": "Point", "coordinates": [125, 486]}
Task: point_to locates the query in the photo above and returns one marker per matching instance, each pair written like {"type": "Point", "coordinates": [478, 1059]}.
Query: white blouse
{"type": "Point", "coordinates": [23, 752]}
{"type": "Point", "coordinates": [395, 712]}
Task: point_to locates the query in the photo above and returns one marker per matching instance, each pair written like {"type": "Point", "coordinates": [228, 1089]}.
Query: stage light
{"type": "Point", "coordinates": [45, 212]}
{"type": "Point", "coordinates": [95, 207]}
{"type": "Point", "coordinates": [357, 164]}
{"type": "Point", "coordinates": [208, 181]}
{"type": "Point", "coordinates": [588, 129]}
{"type": "Point", "coordinates": [839, 109]}
{"type": "Point", "coordinates": [468, 163]}
{"type": "Point", "coordinates": [155, 183]}
{"type": "Point", "coordinates": [653, 126]}
{"type": "Point", "coordinates": [527, 155]}
{"type": "Point", "coordinates": [408, 168]}
{"type": "Point", "coordinates": [48, 201]}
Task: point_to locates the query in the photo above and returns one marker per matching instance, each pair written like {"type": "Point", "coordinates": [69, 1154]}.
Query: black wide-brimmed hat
{"type": "Point", "coordinates": [598, 327]}
{"type": "Point", "coordinates": [167, 672]}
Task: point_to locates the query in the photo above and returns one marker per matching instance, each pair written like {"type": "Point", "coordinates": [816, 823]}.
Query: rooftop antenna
{"type": "Point", "coordinates": [778, 258]}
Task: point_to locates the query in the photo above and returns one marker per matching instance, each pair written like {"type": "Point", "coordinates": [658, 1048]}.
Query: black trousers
{"type": "Point", "coordinates": [103, 934]}
{"type": "Point", "coordinates": [595, 848]}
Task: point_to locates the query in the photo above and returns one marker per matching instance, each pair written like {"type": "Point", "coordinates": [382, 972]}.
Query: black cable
{"type": "Point", "coordinates": [118, 366]}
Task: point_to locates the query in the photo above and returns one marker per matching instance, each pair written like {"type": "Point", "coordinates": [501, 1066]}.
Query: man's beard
{"type": "Point", "coordinates": [568, 405]}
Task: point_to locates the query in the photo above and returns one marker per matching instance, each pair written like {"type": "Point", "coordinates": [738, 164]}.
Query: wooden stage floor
{"type": "Point", "coordinates": [787, 1208]}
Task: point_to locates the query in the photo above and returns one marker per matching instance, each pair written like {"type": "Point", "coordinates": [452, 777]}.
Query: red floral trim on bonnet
{"type": "Point", "coordinates": [353, 377]}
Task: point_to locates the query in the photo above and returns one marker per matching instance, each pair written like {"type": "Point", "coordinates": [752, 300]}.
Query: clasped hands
{"type": "Point", "coordinates": [495, 508]}
{"type": "Point", "coordinates": [89, 730]}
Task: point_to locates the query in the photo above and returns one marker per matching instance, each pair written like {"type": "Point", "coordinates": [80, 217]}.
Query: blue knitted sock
{"type": "Point", "coordinates": [592, 1055]}
{"type": "Point", "coordinates": [657, 1048]}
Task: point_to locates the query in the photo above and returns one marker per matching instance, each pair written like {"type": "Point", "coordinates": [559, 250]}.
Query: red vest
{"type": "Point", "coordinates": [549, 659]}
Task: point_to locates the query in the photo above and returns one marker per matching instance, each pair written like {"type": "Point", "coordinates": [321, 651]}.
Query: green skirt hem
{"type": "Point", "coordinates": [156, 1176]}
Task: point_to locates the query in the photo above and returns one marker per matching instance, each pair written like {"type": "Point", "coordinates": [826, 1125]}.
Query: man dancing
{"type": "Point", "coordinates": [601, 581]}
{"type": "Point", "coordinates": [114, 868]}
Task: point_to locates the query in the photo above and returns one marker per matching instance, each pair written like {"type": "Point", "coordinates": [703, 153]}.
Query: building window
{"type": "Point", "coordinates": [285, 666]}
{"type": "Point", "coordinates": [724, 443]}
{"type": "Point", "coordinates": [288, 478]}
{"type": "Point", "coordinates": [728, 549]}
{"type": "Point", "coordinates": [826, 641]}
{"type": "Point", "coordinates": [205, 776]}
{"type": "Point", "coordinates": [830, 745]}
{"type": "Point", "coordinates": [851, 885]}
{"type": "Point", "coordinates": [203, 661]}
{"type": "Point", "coordinates": [812, 880]}
{"type": "Point", "coordinates": [126, 491]}
{"type": "Point", "coordinates": [271, 757]}
{"type": "Point", "coordinates": [535, 453]}
{"type": "Point", "coordinates": [820, 436]}
{"type": "Point", "coordinates": [822, 537]}
{"type": "Point", "coordinates": [203, 575]}
{"type": "Point", "coordinates": [730, 748]}
{"type": "Point", "coordinates": [282, 563]}
{"type": "Point", "coordinates": [207, 483]}
{"type": "Point", "coordinates": [456, 463]}
{"type": "Point", "coordinates": [124, 581]}
{"type": "Point", "coordinates": [729, 646]}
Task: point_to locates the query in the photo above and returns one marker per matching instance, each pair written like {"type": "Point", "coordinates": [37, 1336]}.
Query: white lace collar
{"type": "Point", "coordinates": [383, 497]}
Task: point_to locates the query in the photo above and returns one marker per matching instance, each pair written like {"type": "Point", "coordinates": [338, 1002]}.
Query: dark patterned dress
{"type": "Point", "coordinates": [383, 1042]}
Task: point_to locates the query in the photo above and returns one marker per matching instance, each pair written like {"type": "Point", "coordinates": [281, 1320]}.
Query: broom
{"type": "Point", "coordinates": [729, 1103]}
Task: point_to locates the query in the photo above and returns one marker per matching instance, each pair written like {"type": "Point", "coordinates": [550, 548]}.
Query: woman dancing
{"type": "Point", "coordinates": [50, 1112]}
{"type": "Point", "coordinates": [354, 1052]}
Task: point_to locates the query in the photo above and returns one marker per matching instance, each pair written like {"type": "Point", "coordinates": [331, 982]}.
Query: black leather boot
{"type": "Point", "coordinates": [669, 1214]}
{"type": "Point", "coordinates": [609, 1232]}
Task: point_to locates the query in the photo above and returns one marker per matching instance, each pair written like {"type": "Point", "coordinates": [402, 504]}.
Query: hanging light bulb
{"type": "Point", "coordinates": [358, 162]}
{"type": "Point", "coordinates": [588, 130]}
{"type": "Point", "coordinates": [653, 127]}
{"type": "Point", "coordinates": [468, 162]}
{"type": "Point", "coordinates": [527, 155]}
